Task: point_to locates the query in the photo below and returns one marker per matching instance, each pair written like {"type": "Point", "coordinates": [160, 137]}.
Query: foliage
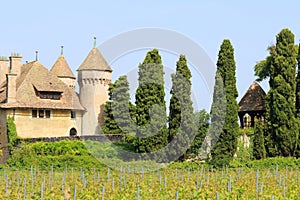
{"type": "Point", "coordinates": [297, 104]}
{"type": "Point", "coordinates": [60, 154]}
{"type": "Point", "coordinates": [198, 147]}
{"type": "Point", "coordinates": [182, 127]}
{"type": "Point", "coordinates": [118, 108]}
{"type": "Point", "coordinates": [23, 157]}
{"type": "Point", "coordinates": [187, 165]}
{"type": "Point", "coordinates": [244, 151]}
{"type": "Point", "coordinates": [282, 128]}
{"type": "Point", "coordinates": [298, 85]}
{"type": "Point", "coordinates": [63, 147]}
{"type": "Point", "coordinates": [224, 149]}
{"type": "Point", "coordinates": [262, 68]}
{"type": "Point", "coordinates": [259, 151]}
{"type": "Point", "coordinates": [152, 132]}
{"type": "Point", "coordinates": [12, 136]}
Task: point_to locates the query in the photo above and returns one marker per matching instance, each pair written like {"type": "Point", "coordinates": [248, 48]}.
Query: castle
{"type": "Point", "coordinates": [44, 103]}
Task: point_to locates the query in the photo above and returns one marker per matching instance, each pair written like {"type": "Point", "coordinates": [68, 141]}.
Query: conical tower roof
{"type": "Point", "coordinates": [61, 68]}
{"type": "Point", "coordinates": [94, 61]}
{"type": "Point", "coordinates": [254, 99]}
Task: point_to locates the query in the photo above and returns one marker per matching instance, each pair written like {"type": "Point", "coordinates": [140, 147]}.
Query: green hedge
{"type": "Point", "coordinates": [268, 163]}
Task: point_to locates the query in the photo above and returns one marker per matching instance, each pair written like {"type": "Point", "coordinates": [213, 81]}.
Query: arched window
{"type": "Point", "coordinates": [247, 121]}
{"type": "Point", "coordinates": [73, 132]}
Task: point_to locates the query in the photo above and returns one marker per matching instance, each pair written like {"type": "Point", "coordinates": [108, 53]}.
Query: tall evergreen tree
{"type": "Point", "coordinates": [298, 85]}
{"type": "Point", "coordinates": [118, 109]}
{"type": "Point", "coordinates": [259, 151]}
{"type": "Point", "coordinates": [224, 149]}
{"type": "Point", "coordinates": [282, 127]}
{"type": "Point", "coordinates": [297, 154]}
{"type": "Point", "coordinates": [217, 116]}
{"type": "Point", "coordinates": [181, 117]}
{"type": "Point", "coordinates": [151, 117]}
{"type": "Point", "coordinates": [198, 147]}
{"type": "Point", "coordinates": [182, 72]}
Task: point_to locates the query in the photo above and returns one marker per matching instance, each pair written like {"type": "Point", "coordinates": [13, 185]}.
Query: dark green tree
{"type": "Point", "coordinates": [152, 133]}
{"type": "Point", "coordinates": [298, 85]}
{"type": "Point", "coordinates": [181, 117]}
{"type": "Point", "coordinates": [262, 68]}
{"type": "Point", "coordinates": [297, 154]}
{"type": "Point", "coordinates": [282, 127]}
{"type": "Point", "coordinates": [118, 109]}
{"type": "Point", "coordinates": [259, 151]}
{"type": "Point", "coordinates": [224, 149]}
{"type": "Point", "coordinates": [182, 71]}
{"type": "Point", "coordinates": [198, 146]}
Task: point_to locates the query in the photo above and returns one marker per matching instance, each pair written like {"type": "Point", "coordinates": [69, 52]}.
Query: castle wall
{"type": "Point", "coordinates": [93, 96]}
{"type": "Point", "coordinates": [58, 125]}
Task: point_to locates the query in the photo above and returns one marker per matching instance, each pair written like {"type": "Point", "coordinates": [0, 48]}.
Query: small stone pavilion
{"type": "Point", "coordinates": [252, 106]}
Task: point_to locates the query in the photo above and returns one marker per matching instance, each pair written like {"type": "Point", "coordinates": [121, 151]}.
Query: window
{"type": "Point", "coordinates": [47, 112]}
{"type": "Point", "coordinates": [73, 114]}
{"type": "Point", "coordinates": [50, 95]}
{"type": "Point", "coordinates": [34, 113]}
{"type": "Point", "coordinates": [41, 113]}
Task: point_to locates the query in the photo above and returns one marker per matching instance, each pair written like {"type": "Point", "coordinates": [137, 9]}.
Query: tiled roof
{"type": "Point", "coordinates": [36, 78]}
{"type": "Point", "coordinates": [61, 68]}
{"type": "Point", "coordinates": [254, 99]}
{"type": "Point", "coordinates": [94, 61]}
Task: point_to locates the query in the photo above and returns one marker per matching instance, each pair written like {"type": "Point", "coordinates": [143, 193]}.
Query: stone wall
{"type": "Point", "coordinates": [99, 138]}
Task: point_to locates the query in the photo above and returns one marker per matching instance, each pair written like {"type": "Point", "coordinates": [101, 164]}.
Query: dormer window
{"type": "Point", "coordinates": [50, 95]}
{"type": "Point", "coordinates": [48, 91]}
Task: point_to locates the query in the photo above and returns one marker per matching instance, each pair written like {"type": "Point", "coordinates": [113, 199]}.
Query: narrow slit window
{"type": "Point", "coordinates": [41, 113]}
{"type": "Point", "coordinates": [73, 115]}
{"type": "Point", "coordinates": [48, 113]}
{"type": "Point", "coordinates": [34, 113]}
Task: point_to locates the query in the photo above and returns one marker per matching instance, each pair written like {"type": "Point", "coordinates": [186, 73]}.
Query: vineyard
{"type": "Point", "coordinates": [168, 183]}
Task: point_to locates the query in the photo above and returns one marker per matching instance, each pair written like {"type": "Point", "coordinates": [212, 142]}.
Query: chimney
{"type": "Point", "coordinates": [11, 88]}
{"type": "Point", "coordinates": [15, 63]}
{"type": "Point", "coordinates": [4, 69]}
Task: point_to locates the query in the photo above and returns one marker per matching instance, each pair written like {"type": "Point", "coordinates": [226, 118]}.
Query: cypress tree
{"type": "Point", "coordinates": [217, 116]}
{"type": "Point", "coordinates": [181, 117]}
{"type": "Point", "coordinates": [118, 108]}
{"type": "Point", "coordinates": [198, 147]}
{"type": "Point", "coordinates": [282, 127]}
{"type": "Point", "coordinates": [224, 149]}
{"type": "Point", "coordinates": [182, 72]}
{"type": "Point", "coordinates": [259, 151]}
{"type": "Point", "coordinates": [151, 117]}
{"type": "Point", "coordinates": [298, 85]}
{"type": "Point", "coordinates": [297, 154]}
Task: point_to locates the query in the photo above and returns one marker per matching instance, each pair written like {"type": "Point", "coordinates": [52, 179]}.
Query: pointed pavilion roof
{"type": "Point", "coordinates": [94, 61]}
{"type": "Point", "coordinates": [61, 68]}
{"type": "Point", "coordinates": [254, 99]}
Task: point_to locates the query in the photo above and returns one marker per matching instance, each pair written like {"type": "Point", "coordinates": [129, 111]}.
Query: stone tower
{"type": "Point", "coordinates": [94, 75]}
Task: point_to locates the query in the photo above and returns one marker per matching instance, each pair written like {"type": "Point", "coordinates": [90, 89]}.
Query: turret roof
{"type": "Point", "coordinates": [94, 61]}
{"type": "Point", "coordinates": [61, 68]}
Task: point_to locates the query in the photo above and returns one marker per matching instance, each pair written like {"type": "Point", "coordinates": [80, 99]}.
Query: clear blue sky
{"type": "Point", "coordinates": [251, 26]}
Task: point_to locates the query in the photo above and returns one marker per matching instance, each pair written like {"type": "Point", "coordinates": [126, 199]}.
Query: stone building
{"type": "Point", "coordinates": [252, 106]}
{"type": "Point", "coordinates": [44, 102]}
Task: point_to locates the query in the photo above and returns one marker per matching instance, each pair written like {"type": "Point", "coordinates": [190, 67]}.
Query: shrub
{"type": "Point", "coordinates": [12, 136]}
